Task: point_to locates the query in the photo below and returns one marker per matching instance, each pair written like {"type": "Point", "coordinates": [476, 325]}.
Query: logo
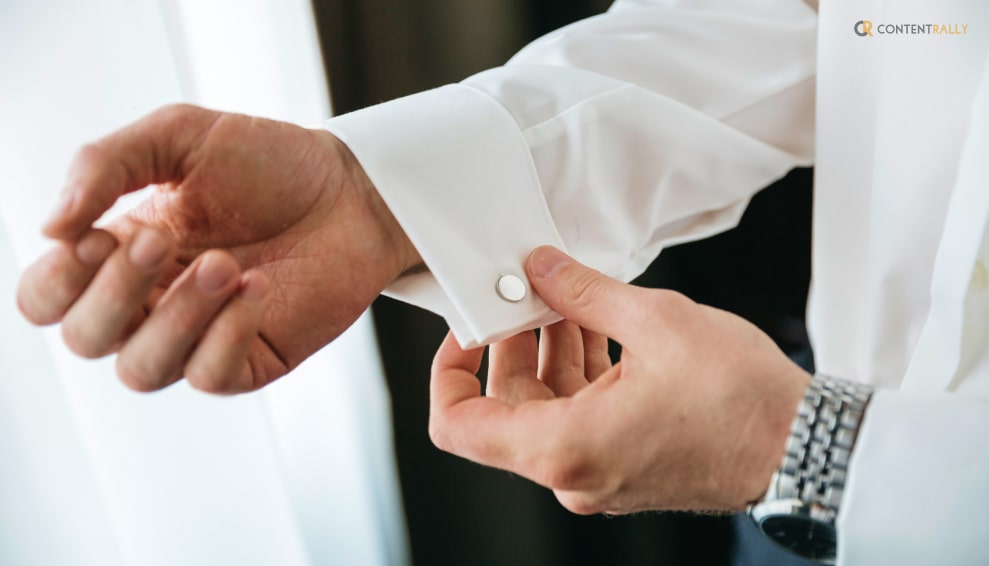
{"type": "Point", "coordinates": [865, 28]}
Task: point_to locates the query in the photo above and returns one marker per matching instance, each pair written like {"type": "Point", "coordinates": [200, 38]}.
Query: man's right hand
{"type": "Point", "coordinates": [261, 243]}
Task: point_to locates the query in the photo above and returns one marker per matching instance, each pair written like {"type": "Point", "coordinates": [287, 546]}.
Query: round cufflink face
{"type": "Point", "coordinates": [510, 288]}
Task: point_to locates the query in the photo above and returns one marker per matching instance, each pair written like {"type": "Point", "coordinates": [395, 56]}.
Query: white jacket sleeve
{"type": "Point", "coordinates": [649, 125]}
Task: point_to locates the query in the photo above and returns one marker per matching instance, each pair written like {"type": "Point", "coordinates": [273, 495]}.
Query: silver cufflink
{"type": "Point", "coordinates": [510, 288]}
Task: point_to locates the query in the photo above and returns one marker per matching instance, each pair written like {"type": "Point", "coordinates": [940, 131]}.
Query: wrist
{"type": "Point", "coordinates": [800, 509]}
{"type": "Point", "coordinates": [402, 255]}
{"type": "Point", "coordinates": [406, 256]}
{"type": "Point", "coordinates": [777, 419]}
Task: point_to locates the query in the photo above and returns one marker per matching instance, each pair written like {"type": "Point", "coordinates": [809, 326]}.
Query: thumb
{"type": "Point", "coordinates": [586, 296]}
{"type": "Point", "coordinates": [148, 151]}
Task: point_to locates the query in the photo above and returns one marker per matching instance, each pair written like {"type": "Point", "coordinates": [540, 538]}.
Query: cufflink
{"type": "Point", "coordinates": [511, 288]}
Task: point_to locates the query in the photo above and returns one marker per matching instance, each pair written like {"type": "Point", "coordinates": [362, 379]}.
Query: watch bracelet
{"type": "Point", "coordinates": [815, 465]}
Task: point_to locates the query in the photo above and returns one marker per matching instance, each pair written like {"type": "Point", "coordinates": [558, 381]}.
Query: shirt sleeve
{"type": "Point", "coordinates": [918, 478]}
{"type": "Point", "coordinates": [646, 126]}
{"type": "Point", "coordinates": [917, 490]}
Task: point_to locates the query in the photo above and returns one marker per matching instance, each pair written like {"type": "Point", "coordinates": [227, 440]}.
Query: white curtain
{"type": "Point", "coordinates": [92, 474]}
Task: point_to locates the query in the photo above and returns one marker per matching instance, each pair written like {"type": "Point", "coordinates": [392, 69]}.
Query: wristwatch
{"type": "Point", "coordinates": [799, 510]}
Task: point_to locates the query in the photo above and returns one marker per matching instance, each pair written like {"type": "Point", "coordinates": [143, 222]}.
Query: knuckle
{"type": "Point", "coordinates": [83, 343]}
{"type": "Point", "coordinates": [212, 380]}
{"type": "Point", "coordinates": [175, 112]}
{"type": "Point", "coordinates": [497, 387]}
{"type": "Point", "coordinates": [181, 119]}
{"type": "Point", "coordinates": [579, 502]}
{"type": "Point", "coordinates": [597, 349]}
{"type": "Point", "coordinates": [671, 302]}
{"type": "Point", "coordinates": [570, 470]}
{"type": "Point", "coordinates": [214, 383]}
{"type": "Point", "coordinates": [89, 154]}
{"type": "Point", "coordinates": [563, 371]}
{"type": "Point", "coordinates": [583, 289]}
{"type": "Point", "coordinates": [221, 375]}
{"type": "Point", "coordinates": [136, 378]}
{"type": "Point", "coordinates": [73, 338]}
{"type": "Point", "coordinates": [30, 310]}
{"type": "Point", "coordinates": [437, 433]}
{"type": "Point", "coordinates": [669, 311]}
{"type": "Point", "coordinates": [43, 292]}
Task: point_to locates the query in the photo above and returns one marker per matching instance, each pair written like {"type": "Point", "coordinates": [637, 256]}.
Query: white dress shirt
{"type": "Point", "coordinates": [654, 124]}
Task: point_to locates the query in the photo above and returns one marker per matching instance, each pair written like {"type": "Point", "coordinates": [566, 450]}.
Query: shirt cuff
{"type": "Point", "coordinates": [455, 170]}
{"type": "Point", "coordinates": [917, 490]}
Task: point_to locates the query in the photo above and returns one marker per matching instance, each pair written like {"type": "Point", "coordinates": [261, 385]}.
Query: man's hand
{"type": "Point", "coordinates": [261, 242]}
{"type": "Point", "coordinates": [694, 417]}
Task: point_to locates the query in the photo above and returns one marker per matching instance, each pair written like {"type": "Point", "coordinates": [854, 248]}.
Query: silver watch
{"type": "Point", "coordinates": [799, 510]}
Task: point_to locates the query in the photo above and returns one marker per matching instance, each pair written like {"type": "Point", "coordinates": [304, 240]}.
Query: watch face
{"type": "Point", "coordinates": [802, 536]}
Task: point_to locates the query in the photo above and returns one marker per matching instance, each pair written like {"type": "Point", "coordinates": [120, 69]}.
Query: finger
{"type": "Point", "coordinates": [484, 429]}
{"type": "Point", "coordinates": [597, 360]}
{"type": "Point", "coordinates": [49, 287]}
{"type": "Point", "coordinates": [512, 366]}
{"type": "Point", "coordinates": [457, 370]}
{"type": "Point", "coordinates": [456, 407]}
{"type": "Point", "coordinates": [219, 363]}
{"type": "Point", "coordinates": [154, 356]}
{"type": "Point", "coordinates": [586, 296]}
{"type": "Point", "coordinates": [100, 317]}
{"type": "Point", "coordinates": [561, 358]}
{"type": "Point", "coordinates": [148, 151]}
{"type": "Point", "coordinates": [141, 314]}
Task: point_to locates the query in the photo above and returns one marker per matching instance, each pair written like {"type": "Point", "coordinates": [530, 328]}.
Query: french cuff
{"type": "Point", "coordinates": [456, 172]}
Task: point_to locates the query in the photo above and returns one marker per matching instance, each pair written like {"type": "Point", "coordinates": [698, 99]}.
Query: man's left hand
{"type": "Point", "coordinates": [694, 416]}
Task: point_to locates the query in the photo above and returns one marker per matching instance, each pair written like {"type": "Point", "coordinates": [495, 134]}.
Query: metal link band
{"type": "Point", "coordinates": [815, 465]}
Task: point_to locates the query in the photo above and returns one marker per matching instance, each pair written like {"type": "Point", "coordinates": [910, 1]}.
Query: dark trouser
{"type": "Point", "coordinates": [752, 548]}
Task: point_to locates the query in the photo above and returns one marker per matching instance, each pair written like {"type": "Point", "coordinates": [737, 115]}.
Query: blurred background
{"type": "Point", "coordinates": [333, 464]}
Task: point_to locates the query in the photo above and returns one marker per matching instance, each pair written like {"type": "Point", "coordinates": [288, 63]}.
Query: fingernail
{"type": "Point", "coordinates": [254, 288]}
{"type": "Point", "coordinates": [94, 248]}
{"type": "Point", "coordinates": [546, 261]}
{"type": "Point", "coordinates": [62, 207]}
{"type": "Point", "coordinates": [214, 273]}
{"type": "Point", "coordinates": [147, 249]}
